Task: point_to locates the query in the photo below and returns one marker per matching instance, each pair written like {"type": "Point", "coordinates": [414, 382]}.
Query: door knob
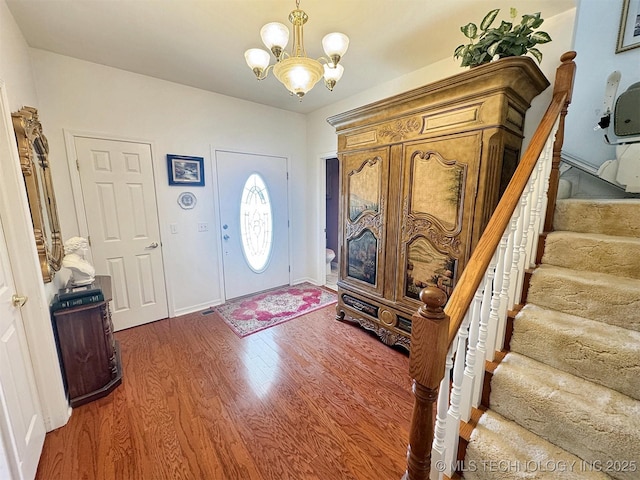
{"type": "Point", "coordinates": [18, 300]}
{"type": "Point", "coordinates": [153, 245]}
{"type": "Point", "coordinates": [225, 226]}
{"type": "Point", "coordinates": [226, 237]}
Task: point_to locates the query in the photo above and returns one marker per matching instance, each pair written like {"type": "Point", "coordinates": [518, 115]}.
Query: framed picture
{"type": "Point", "coordinates": [629, 32]}
{"type": "Point", "coordinates": [185, 170]}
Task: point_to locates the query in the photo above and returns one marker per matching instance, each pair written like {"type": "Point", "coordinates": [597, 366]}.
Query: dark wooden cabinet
{"type": "Point", "coordinates": [421, 174]}
{"type": "Point", "coordinates": [89, 354]}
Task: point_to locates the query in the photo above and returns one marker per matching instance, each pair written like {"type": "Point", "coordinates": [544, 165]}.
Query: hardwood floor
{"type": "Point", "coordinates": [312, 398]}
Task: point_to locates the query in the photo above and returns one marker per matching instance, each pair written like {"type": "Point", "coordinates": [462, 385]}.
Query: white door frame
{"type": "Point", "coordinates": [216, 199]}
{"type": "Point", "coordinates": [14, 210]}
{"type": "Point", "coordinates": [78, 200]}
{"type": "Point", "coordinates": [321, 165]}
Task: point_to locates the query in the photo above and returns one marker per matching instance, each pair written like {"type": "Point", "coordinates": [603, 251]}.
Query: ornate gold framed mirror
{"type": "Point", "coordinates": [33, 149]}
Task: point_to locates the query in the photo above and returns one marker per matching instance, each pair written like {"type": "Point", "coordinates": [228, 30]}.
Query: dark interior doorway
{"type": "Point", "coordinates": [333, 204]}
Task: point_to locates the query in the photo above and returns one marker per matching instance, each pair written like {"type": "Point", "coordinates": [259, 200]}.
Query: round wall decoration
{"type": "Point", "coordinates": [187, 200]}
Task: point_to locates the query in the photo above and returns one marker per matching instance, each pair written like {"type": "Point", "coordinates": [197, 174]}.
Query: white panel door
{"type": "Point", "coordinates": [21, 422]}
{"type": "Point", "coordinates": [119, 196]}
{"type": "Point", "coordinates": [233, 171]}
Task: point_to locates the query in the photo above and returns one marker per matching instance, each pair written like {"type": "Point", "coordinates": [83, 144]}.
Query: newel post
{"type": "Point", "coordinates": [429, 346]}
{"type": "Point", "coordinates": [564, 83]}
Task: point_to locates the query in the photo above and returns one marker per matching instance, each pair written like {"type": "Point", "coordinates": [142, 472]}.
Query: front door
{"type": "Point", "coordinates": [119, 196]}
{"type": "Point", "coordinates": [254, 216]}
{"type": "Point", "coordinates": [21, 422]}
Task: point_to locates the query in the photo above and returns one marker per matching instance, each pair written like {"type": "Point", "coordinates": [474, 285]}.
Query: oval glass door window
{"type": "Point", "coordinates": [256, 223]}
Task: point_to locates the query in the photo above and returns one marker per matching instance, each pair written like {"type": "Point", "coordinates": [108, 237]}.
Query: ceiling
{"type": "Point", "coordinates": [202, 43]}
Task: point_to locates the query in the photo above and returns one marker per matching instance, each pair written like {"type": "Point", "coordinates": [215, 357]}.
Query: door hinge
{"type": "Point", "coordinates": [89, 239]}
{"type": "Point", "coordinates": [77, 164]}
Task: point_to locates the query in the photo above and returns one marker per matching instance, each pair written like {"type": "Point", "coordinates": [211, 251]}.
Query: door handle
{"type": "Point", "coordinates": [18, 301]}
{"type": "Point", "coordinates": [153, 245]}
{"type": "Point", "coordinates": [226, 237]}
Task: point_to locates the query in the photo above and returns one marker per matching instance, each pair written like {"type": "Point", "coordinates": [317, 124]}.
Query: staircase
{"type": "Point", "coordinates": [564, 403]}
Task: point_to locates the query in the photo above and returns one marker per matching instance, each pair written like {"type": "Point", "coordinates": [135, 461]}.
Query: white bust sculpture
{"type": "Point", "coordinates": [82, 272]}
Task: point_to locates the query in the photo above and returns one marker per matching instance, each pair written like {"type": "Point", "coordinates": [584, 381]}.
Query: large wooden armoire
{"type": "Point", "coordinates": [420, 175]}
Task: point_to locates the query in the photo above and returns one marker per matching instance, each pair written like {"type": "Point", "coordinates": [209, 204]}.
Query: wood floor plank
{"type": "Point", "coordinates": [309, 399]}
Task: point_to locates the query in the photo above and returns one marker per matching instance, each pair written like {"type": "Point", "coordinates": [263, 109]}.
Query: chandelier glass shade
{"type": "Point", "coordinates": [297, 72]}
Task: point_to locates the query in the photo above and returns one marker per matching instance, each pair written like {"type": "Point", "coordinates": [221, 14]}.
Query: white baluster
{"type": "Point", "coordinates": [471, 373]}
{"type": "Point", "coordinates": [547, 165]}
{"type": "Point", "coordinates": [481, 352]}
{"type": "Point", "coordinates": [488, 305]}
{"type": "Point", "coordinates": [531, 224]}
{"type": "Point", "coordinates": [453, 415]}
{"type": "Point", "coordinates": [499, 304]}
{"type": "Point", "coordinates": [525, 213]}
{"type": "Point", "coordinates": [439, 447]}
{"type": "Point", "coordinates": [513, 230]}
{"type": "Point", "coordinates": [537, 205]}
{"type": "Point", "coordinates": [515, 259]}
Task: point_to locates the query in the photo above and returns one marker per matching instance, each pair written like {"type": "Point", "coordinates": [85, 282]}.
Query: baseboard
{"type": "Point", "coordinates": [196, 308]}
{"type": "Point", "coordinates": [308, 280]}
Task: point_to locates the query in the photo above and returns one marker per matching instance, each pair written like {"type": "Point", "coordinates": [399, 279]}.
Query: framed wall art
{"type": "Point", "coordinates": [629, 32]}
{"type": "Point", "coordinates": [185, 170]}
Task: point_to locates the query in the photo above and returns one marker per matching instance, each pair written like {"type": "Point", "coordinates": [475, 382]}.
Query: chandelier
{"type": "Point", "coordinates": [297, 72]}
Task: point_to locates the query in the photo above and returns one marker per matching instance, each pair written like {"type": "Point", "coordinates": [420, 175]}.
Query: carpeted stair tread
{"type": "Point", "coordinates": [500, 449]}
{"type": "Point", "coordinates": [610, 216]}
{"type": "Point", "coordinates": [590, 421]}
{"type": "Point", "coordinates": [601, 353]}
{"type": "Point", "coordinates": [602, 297]}
{"type": "Point", "coordinates": [594, 252]}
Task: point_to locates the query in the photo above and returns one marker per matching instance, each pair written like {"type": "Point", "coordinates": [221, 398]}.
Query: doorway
{"type": "Point", "coordinates": [119, 200]}
{"type": "Point", "coordinates": [21, 421]}
{"type": "Point", "coordinates": [254, 222]}
{"type": "Point", "coordinates": [332, 195]}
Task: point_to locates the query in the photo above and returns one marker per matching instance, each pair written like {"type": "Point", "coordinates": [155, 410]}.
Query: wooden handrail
{"type": "Point", "coordinates": [474, 271]}
{"type": "Point", "coordinates": [434, 329]}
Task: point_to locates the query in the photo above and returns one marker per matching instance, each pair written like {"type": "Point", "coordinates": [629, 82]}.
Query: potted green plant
{"type": "Point", "coordinates": [506, 40]}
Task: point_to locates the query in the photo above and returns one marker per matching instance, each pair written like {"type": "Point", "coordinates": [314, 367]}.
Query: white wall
{"type": "Point", "coordinates": [15, 67]}
{"type": "Point", "coordinates": [595, 41]}
{"type": "Point", "coordinates": [81, 96]}
{"type": "Point", "coordinates": [19, 87]}
{"type": "Point", "coordinates": [323, 139]}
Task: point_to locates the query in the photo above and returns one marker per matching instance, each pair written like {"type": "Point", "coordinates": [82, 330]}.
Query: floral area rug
{"type": "Point", "coordinates": [247, 315]}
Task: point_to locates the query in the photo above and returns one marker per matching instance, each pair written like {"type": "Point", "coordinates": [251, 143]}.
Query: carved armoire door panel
{"type": "Point", "coordinates": [439, 183]}
{"type": "Point", "coordinates": [365, 200]}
